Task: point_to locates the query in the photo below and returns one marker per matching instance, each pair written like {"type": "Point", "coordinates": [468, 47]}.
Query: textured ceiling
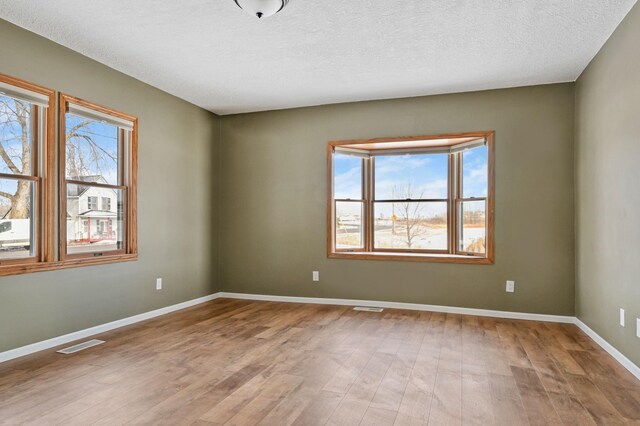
{"type": "Point", "coordinates": [214, 55]}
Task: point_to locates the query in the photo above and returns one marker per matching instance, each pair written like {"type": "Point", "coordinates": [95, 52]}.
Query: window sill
{"type": "Point", "coordinates": [412, 257]}
{"type": "Point", "coordinates": [26, 268]}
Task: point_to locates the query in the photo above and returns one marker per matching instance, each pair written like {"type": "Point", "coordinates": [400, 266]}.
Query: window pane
{"type": "Point", "coordinates": [472, 227]}
{"type": "Point", "coordinates": [91, 150]}
{"type": "Point", "coordinates": [349, 225]}
{"type": "Point", "coordinates": [90, 229]}
{"type": "Point", "coordinates": [411, 225]}
{"type": "Point", "coordinates": [347, 181]}
{"type": "Point", "coordinates": [415, 176]}
{"type": "Point", "coordinates": [17, 216]}
{"type": "Point", "coordinates": [474, 172]}
{"type": "Point", "coordinates": [15, 136]}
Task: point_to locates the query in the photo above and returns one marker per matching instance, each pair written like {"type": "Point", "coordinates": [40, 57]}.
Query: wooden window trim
{"type": "Point", "coordinates": [46, 181]}
{"type": "Point", "coordinates": [43, 174]}
{"type": "Point", "coordinates": [452, 254]}
{"type": "Point", "coordinates": [130, 189]}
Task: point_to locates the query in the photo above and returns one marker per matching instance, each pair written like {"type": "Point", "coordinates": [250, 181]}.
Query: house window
{"type": "Point", "coordinates": [98, 154]}
{"type": "Point", "coordinates": [92, 203]}
{"type": "Point", "coordinates": [420, 198]}
{"type": "Point", "coordinates": [25, 123]}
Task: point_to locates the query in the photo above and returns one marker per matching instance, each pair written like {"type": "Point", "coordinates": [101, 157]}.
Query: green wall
{"type": "Point", "coordinates": [273, 225]}
{"type": "Point", "coordinates": [608, 197]}
{"type": "Point", "coordinates": [178, 209]}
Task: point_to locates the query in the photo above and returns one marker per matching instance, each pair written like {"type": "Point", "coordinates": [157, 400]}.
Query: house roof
{"type": "Point", "coordinates": [74, 190]}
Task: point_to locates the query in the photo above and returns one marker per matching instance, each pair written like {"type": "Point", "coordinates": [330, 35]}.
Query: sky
{"type": "Point", "coordinates": [425, 174]}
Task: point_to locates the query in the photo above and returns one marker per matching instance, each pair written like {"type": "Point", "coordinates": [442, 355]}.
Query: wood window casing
{"type": "Point", "coordinates": [127, 182]}
{"type": "Point", "coordinates": [49, 166]}
{"type": "Point", "coordinates": [454, 199]}
{"type": "Point", "coordinates": [42, 151]}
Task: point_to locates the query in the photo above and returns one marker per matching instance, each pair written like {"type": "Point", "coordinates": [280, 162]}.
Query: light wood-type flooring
{"type": "Point", "coordinates": [238, 362]}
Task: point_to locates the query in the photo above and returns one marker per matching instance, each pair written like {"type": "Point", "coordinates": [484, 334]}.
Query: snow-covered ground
{"type": "Point", "coordinates": [429, 239]}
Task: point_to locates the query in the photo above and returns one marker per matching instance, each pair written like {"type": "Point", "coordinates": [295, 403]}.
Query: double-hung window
{"type": "Point", "coordinates": [419, 198]}
{"type": "Point", "coordinates": [92, 214]}
{"type": "Point", "coordinates": [25, 122]}
{"type": "Point", "coordinates": [98, 164]}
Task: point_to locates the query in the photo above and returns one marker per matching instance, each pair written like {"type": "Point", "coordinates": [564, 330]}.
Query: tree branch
{"type": "Point", "coordinates": [7, 159]}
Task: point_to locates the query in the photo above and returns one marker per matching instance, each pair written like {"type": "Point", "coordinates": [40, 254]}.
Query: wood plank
{"type": "Point", "coordinates": [246, 362]}
{"type": "Point", "coordinates": [535, 399]}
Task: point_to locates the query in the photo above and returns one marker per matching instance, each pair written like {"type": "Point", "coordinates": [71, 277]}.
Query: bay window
{"type": "Point", "coordinates": [420, 198]}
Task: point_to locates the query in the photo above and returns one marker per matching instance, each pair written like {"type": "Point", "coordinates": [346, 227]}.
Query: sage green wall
{"type": "Point", "coordinates": [273, 225]}
{"type": "Point", "coordinates": [178, 218]}
{"type": "Point", "coordinates": [608, 199]}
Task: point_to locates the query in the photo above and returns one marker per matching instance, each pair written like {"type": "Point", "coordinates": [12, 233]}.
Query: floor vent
{"type": "Point", "coordinates": [367, 309]}
{"type": "Point", "coordinates": [80, 346]}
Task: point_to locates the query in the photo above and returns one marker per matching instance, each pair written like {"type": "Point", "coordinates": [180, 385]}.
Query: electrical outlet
{"type": "Point", "coordinates": [316, 275]}
{"type": "Point", "coordinates": [158, 283]}
{"type": "Point", "coordinates": [638, 327]}
{"type": "Point", "coordinates": [621, 317]}
{"type": "Point", "coordinates": [511, 286]}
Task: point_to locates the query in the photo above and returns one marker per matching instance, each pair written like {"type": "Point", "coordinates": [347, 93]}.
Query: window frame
{"type": "Point", "coordinates": [129, 160]}
{"type": "Point", "coordinates": [454, 199]}
{"type": "Point", "coordinates": [42, 172]}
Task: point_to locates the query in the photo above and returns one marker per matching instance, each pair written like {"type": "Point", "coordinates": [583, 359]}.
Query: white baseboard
{"type": "Point", "coordinates": [616, 354]}
{"type": "Point", "coordinates": [81, 334]}
{"type": "Point", "coordinates": [401, 305]}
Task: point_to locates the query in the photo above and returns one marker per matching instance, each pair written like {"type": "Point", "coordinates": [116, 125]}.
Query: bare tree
{"type": "Point", "coordinates": [14, 113]}
{"type": "Point", "coordinates": [409, 212]}
{"type": "Point", "coordinates": [83, 153]}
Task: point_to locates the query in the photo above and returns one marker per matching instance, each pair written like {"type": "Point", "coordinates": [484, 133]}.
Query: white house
{"type": "Point", "coordinates": [92, 212]}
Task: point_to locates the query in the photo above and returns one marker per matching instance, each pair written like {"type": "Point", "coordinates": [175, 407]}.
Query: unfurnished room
{"type": "Point", "coordinates": [290, 212]}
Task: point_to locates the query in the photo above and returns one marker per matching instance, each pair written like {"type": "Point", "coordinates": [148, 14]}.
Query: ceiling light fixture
{"type": "Point", "coordinates": [261, 8]}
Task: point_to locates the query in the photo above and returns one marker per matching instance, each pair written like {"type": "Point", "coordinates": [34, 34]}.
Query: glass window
{"type": "Point", "coordinates": [474, 172]}
{"type": "Point", "coordinates": [349, 225]}
{"type": "Point", "coordinates": [473, 226]}
{"type": "Point", "coordinates": [347, 177]}
{"type": "Point", "coordinates": [91, 150]}
{"type": "Point", "coordinates": [97, 158]}
{"type": "Point", "coordinates": [17, 219]}
{"type": "Point", "coordinates": [20, 123]}
{"type": "Point", "coordinates": [17, 125]}
{"type": "Point", "coordinates": [94, 230]}
{"type": "Point", "coordinates": [424, 197]}
{"type": "Point", "coordinates": [415, 176]}
{"type": "Point", "coordinates": [411, 225]}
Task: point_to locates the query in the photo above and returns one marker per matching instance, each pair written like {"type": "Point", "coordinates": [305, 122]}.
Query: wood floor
{"type": "Point", "coordinates": [243, 363]}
